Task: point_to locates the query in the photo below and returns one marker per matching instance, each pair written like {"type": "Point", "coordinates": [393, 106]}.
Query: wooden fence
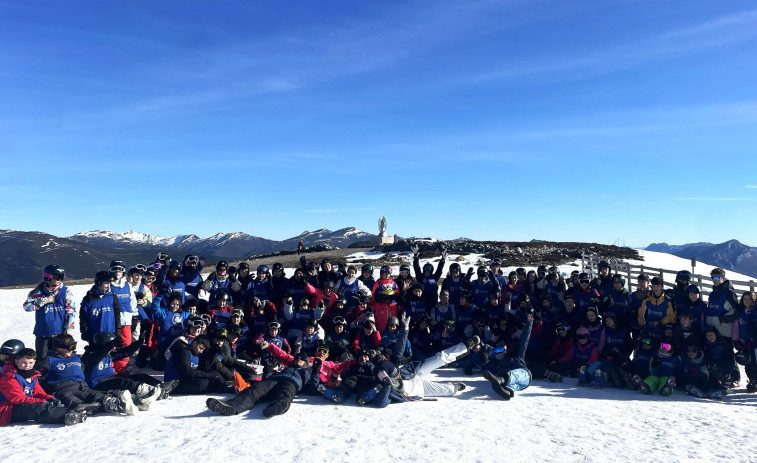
{"type": "Point", "coordinates": [590, 264]}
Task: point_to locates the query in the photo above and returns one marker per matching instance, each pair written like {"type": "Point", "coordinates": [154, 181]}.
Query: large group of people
{"type": "Point", "coordinates": [344, 332]}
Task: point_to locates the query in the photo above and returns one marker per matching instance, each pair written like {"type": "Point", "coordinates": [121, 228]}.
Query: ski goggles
{"type": "Point", "coordinates": [197, 323]}
{"type": "Point", "coordinates": [322, 350]}
{"type": "Point", "coordinates": [716, 277]}
{"type": "Point", "coordinates": [192, 259]}
{"type": "Point", "coordinates": [666, 346]}
{"type": "Point", "coordinates": [52, 276]}
{"type": "Point", "coordinates": [582, 336]}
{"type": "Point", "coordinates": [339, 321]}
{"type": "Point", "coordinates": [141, 267]}
{"type": "Point", "coordinates": [70, 346]}
{"type": "Point", "coordinates": [499, 350]}
{"type": "Point", "coordinates": [692, 350]}
{"type": "Point", "coordinates": [236, 313]}
{"type": "Point", "coordinates": [646, 340]}
{"type": "Point", "coordinates": [117, 268]}
{"type": "Point", "coordinates": [584, 282]}
{"type": "Point", "coordinates": [163, 256]}
{"type": "Point", "coordinates": [150, 279]}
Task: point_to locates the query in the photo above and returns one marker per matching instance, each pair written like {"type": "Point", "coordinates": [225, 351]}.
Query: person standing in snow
{"type": "Point", "coordinates": [54, 307]}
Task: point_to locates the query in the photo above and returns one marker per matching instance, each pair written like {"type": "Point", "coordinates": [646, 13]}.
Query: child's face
{"type": "Point", "coordinates": [175, 305]}
{"type": "Point", "coordinates": [691, 355]}
{"type": "Point", "coordinates": [417, 292]}
{"type": "Point", "coordinates": [392, 328]}
{"type": "Point", "coordinates": [591, 316]}
{"type": "Point", "coordinates": [338, 329]}
{"type": "Point", "coordinates": [711, 337]}
{"type": "Point", "coordinates": [685, 322]}
{"type": "Point", "coordinates": [309, 330]}
{"type": "Point", "coordinates": [693, 296]}
{"type": "Point", "coordinates": [25, 364]}
{"type": "Point", "coordinates": [570, 305]}
{"type": "Point", "coordinates": [747, 300]}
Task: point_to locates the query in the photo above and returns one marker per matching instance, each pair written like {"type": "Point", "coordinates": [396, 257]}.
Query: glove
{"type": "Point", "coordinates": [321, 304]}
{"type": "Point", "coordinates": [444, 254]}
{"type": "Point", "coordinates": [55, 402]}
{"type": "Point", "coordinates": [415, 248]}
{"type": "Point", "coordinates": [340, 292]}
{"type": "Point", "coordinates": [317, 365]}
{"type": "Point", "coordinates": [47, 300]}
{"type": "Point", "coordinates": [470, 271]}
{"type": "Point", "coordinates": [257, 303]}
{"type": "Point", "coordinates": [263, 344]}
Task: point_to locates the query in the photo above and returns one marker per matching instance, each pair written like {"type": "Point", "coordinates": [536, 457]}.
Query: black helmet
{"type": "Point", "coordinates": [263, 268]}
{"type": "Point", "coordinates": [311, 322]}
{"type": "Point", "coordinates": [103, 337]}
{"type": "Point", "coordinates": [521, 272]}
{"type": "Point", "coordinates": [618, 279]}
{"type": "Point", "coordinates": [191, 259]}
{"type": "Point", "coordinates": [325, 261]}
{"type": "Point", "coordinates": [683, 275]}
{"type": "Point", "coordinates": [482, 271]}
{"type": "Point", "coordinates": [222, 265]}
{"type": "Point", "coordinates": [222, 295]}
{"type": "Point", "coordinates": [11, 347]}
{"type": "Point", "coordinates": [455, 267]}
{"type": "Point", "coordinates": [583, 276]}
{"type": "Point", "coordinates": [341, 300]}
{"type": "Point", "coordinates": [103, 276]}
{"type": "Point", "coordinates": [278, 266]}
{"type": "Point", "coordinates": [743, 357]}
{"type": "Point", "coordinates": [541, 269]}
{"type": "Point", "coordinates": [404, 268]}
{"type": "Point", "coordinates": [495, 262]}
{"type": "Point", "coordinates": [328, 284]}
{"type": "Point", "coordinates": [117, 266]}
{"type": "Point", "coordinates": [554, 269]}
{"type": "Point", "coordinates": [603, 264]}
{"type": "Point", "coordinates": [53, 270]}
{"type": "Point", "coordinates": [367, 268]}
{"type": "Point", "coordinates": [243, 266]}
{"type": "Point", "coordinates": [428, 268]}
{"type": "Point", "coordinates": [135, 271]}
{"type": "Point", "coordinates": [392, 321]}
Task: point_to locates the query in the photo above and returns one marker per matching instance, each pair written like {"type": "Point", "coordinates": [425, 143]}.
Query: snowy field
{"type": "Point", "coordinates": [546, 422]}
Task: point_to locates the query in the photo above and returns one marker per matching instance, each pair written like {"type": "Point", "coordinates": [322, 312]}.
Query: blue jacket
{"type": "Point", "coordinates": [50, 319]}
{"type": "Point", "coordinates": [297, 376]}
{"type": "Point", "coordinates": [99, 312]}
{"type": "Point", "coordinates": [63, 369]}
{"type": "Point", "coordinates": [170, 324]}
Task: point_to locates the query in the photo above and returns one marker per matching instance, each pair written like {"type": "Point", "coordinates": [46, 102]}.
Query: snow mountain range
{"type": "Point", "coordinates": [731, 255]}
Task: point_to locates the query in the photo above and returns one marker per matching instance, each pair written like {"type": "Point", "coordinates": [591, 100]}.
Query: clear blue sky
{"type": "Point", "coordinates": [606, 121]}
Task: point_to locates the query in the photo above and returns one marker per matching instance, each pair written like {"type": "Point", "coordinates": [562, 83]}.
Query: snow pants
{"type": "Point", "coordinates": [520, 378]}
{"type": "Point", "coordinates": [655, 383]}
{"type": "Point", "coordinates": [432, 388]}
{"type": "Point", "coordinates": [279, 392]}
{"type": "Point", "coordinates": [73, 393]}
{"type": "Point", "coordinates": [41, 412]}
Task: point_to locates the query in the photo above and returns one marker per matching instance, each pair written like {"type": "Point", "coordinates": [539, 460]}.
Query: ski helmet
{"type": "Point", "coordinates": [386, 269]}
{"type": "Point", "coordinates": [683, 275]}
{"type": "Point", "coordinates": [404, 268]}
{"type": "Point", "coordinates": [618, 279]}
{"type": "Point", "coordinates": [222, 295]}
{"type": "Point", "coordinates": [454, 268]}
{"type": "Point", "coordinates": [541, 270]}
{"type": "Point", "coordinates": [262, 268]}
{"type": "Point", "coordinates": [603, 264]}
{"type": "Point", "coordinates": [11, 347]}
{"type": "Point", "coordinates": [482, 271]}
{"type": "Point", "coordinates": [428, 268]}
{"type": "Point", "coordinates": [496, 262]}
{"type": "Point", "coordinates": [328, 284]}
{"type": "Point", "coordinates": [243, 266]}
{"type": "Point", "coordinates": [743, 357]}
{"type": "Point", "coordinates": [367, 268]}
{"type": "Point", "coordinates": [325, 261]}
{"type": "Point", "coordinates": [521, 273]}
{"type": "Point", "coordinates": [274, 326]}
{"type": "Point", "coordinates": [102, 338]}
{"type": "Point", "coordinates": [103, 276]}
{"type": "Point", "coordinates": [222, 265]}
{"type": "Point", "coordinates": [117, 266]}
{"type": "Point", "coordinates": [393, 321]}
{"type": "Point", "coordinates": [53, 270]}
{"type": "Point", "coordinates": [692, 289]}
{"type": "Point", "coordinates": [135, 271]}
{"type": "Point", "coordinates": [278, 266]}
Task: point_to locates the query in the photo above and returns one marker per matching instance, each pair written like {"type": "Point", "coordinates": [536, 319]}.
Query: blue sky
{"type": "Point", "coordinates": [608, 121]}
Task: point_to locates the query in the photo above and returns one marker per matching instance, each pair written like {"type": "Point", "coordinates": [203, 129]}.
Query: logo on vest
{"type": "Point", "coordinates": [100, 366]}
{"type": "Point", "coordinates": [61, 367]}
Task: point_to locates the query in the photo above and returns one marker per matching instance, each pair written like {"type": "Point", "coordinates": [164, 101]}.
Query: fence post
{"type": "Point", "coordinates": [751, 285]}
{"type": "Point", "coordinates": [583, 266]}
{"type": "Point", "coordinates": [693, 265]}
{"type": "Point", "coordinates": [629, 277]}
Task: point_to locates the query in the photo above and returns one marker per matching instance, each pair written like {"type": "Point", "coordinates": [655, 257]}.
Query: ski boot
{"type": "Point", "coordinates": [751, 386]}
{"type": "Point", "coordinates": [369, 395]}
{"type": "Point", "coordinates": [552, 376]}
{"type": "Point", "coordinates": [221, 407]}
{"type": "Point", "coordinates": [331, 394]}
{"type": "Point", "coordinates": [73, 417]}
{"type": "Point", "coordinates": [505, 392]}
{"type": "Point", "coordinates": [695, 391]}
{"type": "Point", "coordinates": [667, 388]}
{"type": "Point", "coordinates": [600, 379]}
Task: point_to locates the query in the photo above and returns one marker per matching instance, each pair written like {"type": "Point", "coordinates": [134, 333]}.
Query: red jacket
{"type": "Point", "coordinates": [381, 313]}
{"type": "Point", "coordinates": [14, 393]}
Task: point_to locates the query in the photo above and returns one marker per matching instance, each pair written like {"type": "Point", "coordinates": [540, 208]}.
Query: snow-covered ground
{"type": "Point", "coordinates": [546, 422]}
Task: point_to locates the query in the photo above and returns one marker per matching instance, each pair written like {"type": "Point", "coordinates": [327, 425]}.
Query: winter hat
{"type": "Point", "coordinates": [709, 329]}
{"type": "Point", "coordinates": [386, 370]}
{"type": "Point", "coordinates": [582, 330]}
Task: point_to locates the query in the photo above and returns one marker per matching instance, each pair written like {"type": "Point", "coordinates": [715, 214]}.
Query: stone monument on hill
{"type": "Point", "coordinates": [382, 237]}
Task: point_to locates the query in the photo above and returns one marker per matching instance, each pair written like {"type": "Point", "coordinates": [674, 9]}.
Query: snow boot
{"type": "Point", "coordinates": [276, 408]}
{"type": "Point", "coordinates": [751, 386]}
{"type": "Point", "coordinates": [459, 386]}
{"type": "Point", "coordinates": [128, 404]}
{"type": "Point", "coordinates": [581, 377]}
{"type": "Point", "coordinates": [145, 396]}
{"type": "Point", "coordinates": [90, 408]}
{"type": "Point", "coordinates": [167, 387]}
{"type": "Point", "coordinates": [113, 404]}
{"type": "Point", "coordinates": [637, 382]}
{"type": "Point", "coordinates": [73, 417]}
{"type": "Point", "coordinates": [695, 391]}
{"type": "Point", "coordinates": [667, 388]}
{"type": "Point", "coordinates": [505, 392]}
{"type": "Point", "coordinates": [714, 394]}
{"type": "Point", "coordinates": [369, 395]}
{"type": "Point", "coordinates": [600, 378]}
{"type": "Point", "coordinates": [645, 389]}
{"type": "Point", "coordinates": [552, 376]}
{"type": "Point", "coordinates": [472, 342]}
{"type": "Point", "coordinates": [221, 407]}
{"type": "Point", "coordinates": [331, 394]}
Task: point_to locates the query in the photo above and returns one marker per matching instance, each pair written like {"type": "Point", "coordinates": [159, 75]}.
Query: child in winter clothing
{"type": "Point", "coordinates": [53, 306]}
{"type": "Point", "coordinates": [390, 335]}
{"type": "Point", "coordinates": [663, 368]}
{"type": "Point", "coordinates": [509, 373]}
{"type": "Point", "coordinates": [696, 376]}
{"type": "Point", "coordinates": [583, 359]}
{"type": "Point", "coordinates": [23, 399]}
